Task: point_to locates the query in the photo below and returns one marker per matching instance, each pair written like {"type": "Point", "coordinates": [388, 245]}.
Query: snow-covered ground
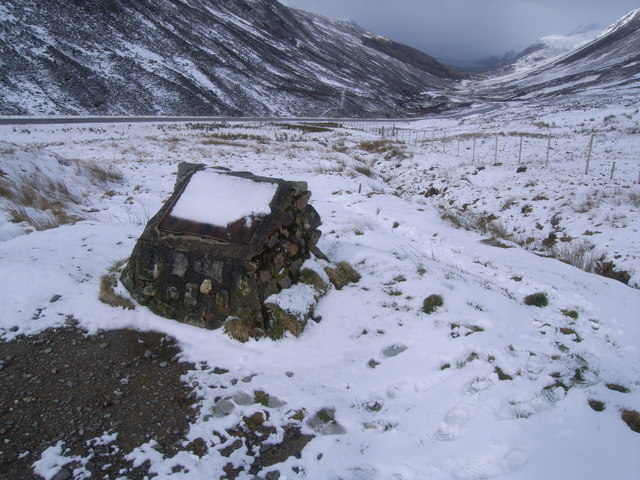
{"type": "Point", "coordinates": [484, 387]}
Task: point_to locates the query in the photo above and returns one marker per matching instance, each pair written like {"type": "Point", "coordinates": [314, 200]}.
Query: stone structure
{"type": "Point", "coordinates": [202, 274]}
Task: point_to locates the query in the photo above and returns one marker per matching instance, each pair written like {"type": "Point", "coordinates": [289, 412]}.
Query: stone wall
{"type": "Point", "coordinates": [203, 281]}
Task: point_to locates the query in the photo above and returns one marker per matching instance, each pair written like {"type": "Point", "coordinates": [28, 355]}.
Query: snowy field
{"type": "Point", "coordinates": [484, 387]}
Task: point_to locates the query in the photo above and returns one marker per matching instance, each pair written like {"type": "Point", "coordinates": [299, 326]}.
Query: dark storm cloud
{"type": "Point", "coordinates": [469, 29]}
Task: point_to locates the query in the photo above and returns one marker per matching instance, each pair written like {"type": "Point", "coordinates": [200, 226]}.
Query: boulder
{"type": "Point", "coordinates": [222, 244]}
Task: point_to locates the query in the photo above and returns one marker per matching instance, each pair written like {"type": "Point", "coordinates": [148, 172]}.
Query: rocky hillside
{"type": "Point", "coordinates": [199, 57]}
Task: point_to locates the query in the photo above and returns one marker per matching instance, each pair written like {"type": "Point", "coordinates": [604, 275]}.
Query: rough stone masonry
{"type": "Point", "coordinates": [204, 274]}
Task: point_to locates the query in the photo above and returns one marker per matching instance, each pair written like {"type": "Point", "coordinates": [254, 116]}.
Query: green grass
{"type": "Point", "coordinates": [570, 313]}
{"type": "Point", "coordinates": [537, 300]}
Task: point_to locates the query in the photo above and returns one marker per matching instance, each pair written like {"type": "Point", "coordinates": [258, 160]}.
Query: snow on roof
{"type": "Point", "coordinates": [217, 199]}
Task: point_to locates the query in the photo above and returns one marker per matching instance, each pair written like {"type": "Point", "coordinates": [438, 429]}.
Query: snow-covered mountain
{"type": "Point", "coordinates": [542, 50]}
{"type": "Point", "coordinates": [198, 57]}
{"type": "Point", "coordinates": [609, 63]}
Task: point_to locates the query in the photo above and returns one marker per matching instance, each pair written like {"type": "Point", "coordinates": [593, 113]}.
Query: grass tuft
{"type": "Point", "coordinates": [617, 388]}
{"type": "Point", "coordinates": [281, 322]}
{"type": "Point", "coordinates": [537, 300]}
{"type": "Point", "coordinates": [310, 277]}
{"type": "Point", "coordinates": [597, 405]}
{"type": "Point", "coordinates": [632, 419]}
{"type": "Point", "coordinates": [570, 313]}
{"type": "Point", "coordinates": [431, 303]}
{"type": "Point", "coordinates": [104, 174]}
{"type": "Point", "coordinates": [238, 329]}
{"type": "Point", "coordinates": [342, 275]}
{"type": "Point", "coordinates": [108, 295]}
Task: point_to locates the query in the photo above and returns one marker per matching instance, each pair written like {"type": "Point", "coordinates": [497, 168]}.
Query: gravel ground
{"type": "Point", "coordinates": [63, 385]}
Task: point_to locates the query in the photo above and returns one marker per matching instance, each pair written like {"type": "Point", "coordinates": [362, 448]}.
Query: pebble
{"type": "Point", "coordinates": [222, 408]}
{"type": "Point", "coordinates": [394, 350]}
{"type": "Point", "coordinates": [104, 345]}
{"type": "Point", "coordinates": [55, 298]}
{"type": "Point", "coordinates": [48, 350]}
{"type": "Point", "coordinates": [63, 474]}
{"type": "Point", "coordinates": [163, 364]}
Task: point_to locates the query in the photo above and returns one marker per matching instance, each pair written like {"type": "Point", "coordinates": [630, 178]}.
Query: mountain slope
{"type": "Point", "coordinates": [609, 63]}
{"type": "Point", "coordinates": [541, 51]}
{"type": "Point", "coordinates": [195, 57]}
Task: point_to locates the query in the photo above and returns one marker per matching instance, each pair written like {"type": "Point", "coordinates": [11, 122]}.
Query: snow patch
{"type": "Point", "coordinates": [219, 199]}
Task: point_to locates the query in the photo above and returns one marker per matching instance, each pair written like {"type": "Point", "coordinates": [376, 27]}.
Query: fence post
{"type": "Point", "coordinates": [546, 162]}
{"type": "Point", "coordinates": [444, 143]}
{"type": "Point", "coordinates": [520, 151]}
{"type": "Point", "coordinates": [458, 154]}
{"type": "Point", "coordinates": [473, 158]}
{"type": "Point", "coordinates": [613, 169]}
{"type": "Point", "coordinates": [496, 150]}
{"type": "Point", "coordinates": [586, 170]}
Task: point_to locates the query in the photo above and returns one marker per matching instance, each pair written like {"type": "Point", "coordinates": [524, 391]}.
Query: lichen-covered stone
{"type": "Point", "coordinates": [204, 280]}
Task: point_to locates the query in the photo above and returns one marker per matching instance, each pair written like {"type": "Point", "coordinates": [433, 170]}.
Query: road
{"type": "Point", "coordinates": [68, 120]}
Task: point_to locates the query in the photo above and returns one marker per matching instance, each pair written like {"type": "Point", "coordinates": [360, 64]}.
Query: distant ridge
{"type": "Point", "coordinates": [202, 57]}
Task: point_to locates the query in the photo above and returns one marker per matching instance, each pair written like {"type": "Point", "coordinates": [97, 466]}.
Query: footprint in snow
{"type": "Point", "coordinates": [454, 423]}
{"type": "Point", "coordinates": [493, 467]}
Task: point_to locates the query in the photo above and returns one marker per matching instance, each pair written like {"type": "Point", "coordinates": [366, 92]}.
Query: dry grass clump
{"type": "Point", "coordinates": [36, 190]}
{"type": "Point", "coordinates": [342, 275]}
{"type": "Point", "coordinates": [617, 388]}
{"type": "Point", "coordinates": [239, 329]}
{"type": "Point", "coordinates": [39, 200]}
{"type": "Point", "coordinates": [597, 405]}
{"type": "Point", "coordinates": [45, 202]}
{"type": "Point", "coordinates": [375, 146]}
{"type": "Point", "coordinates": [103, 174]}
{"type": "Point", "coordinates": [581, 254]}
{"type": "Point", "coordinates": [632, 419]}
{"type": "Point", "coordinates": [470, 220]}
{"type": "Point", "coordinates": [365, 170]}
{"type": "Point", "coordinates": [108, 295]}
{"type": "Point", "coordinates": [431, 303]}
{"type": "Point", "coordinates": [312, 278]}
{"type": "Point", "coordinates": [608, 269]}
{"type": "Point", "coordinates": [281, 322]}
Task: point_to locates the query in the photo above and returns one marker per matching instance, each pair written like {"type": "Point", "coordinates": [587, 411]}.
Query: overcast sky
{"type": "Point", "coordinates": [469, 29]}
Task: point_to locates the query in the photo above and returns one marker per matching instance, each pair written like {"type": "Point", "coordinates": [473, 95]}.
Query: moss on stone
{"type": "Point", "coordinates": [342, 275]}
{"type": "Point", "coordinates": [254, 421]}
{"type": "Point", "coordinates": [261, 397]}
